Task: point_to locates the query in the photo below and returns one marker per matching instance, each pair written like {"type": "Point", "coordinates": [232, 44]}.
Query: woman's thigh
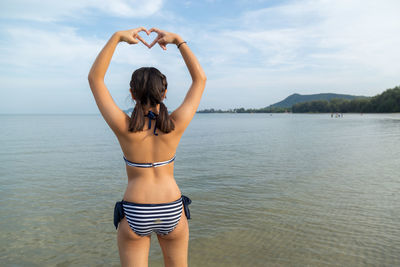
{"type": "Point", "coordinates": [133, 249]}
{"type": "Point", "coordinates": [175, 244]}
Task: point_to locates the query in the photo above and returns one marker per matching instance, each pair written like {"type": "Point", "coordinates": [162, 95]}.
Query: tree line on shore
{"type": "Point", "coordinates": [244, 110]}
{"type": "Point", "coordinates": [386, 102]}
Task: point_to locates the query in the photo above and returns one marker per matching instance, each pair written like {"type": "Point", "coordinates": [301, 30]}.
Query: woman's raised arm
{"type": "Point", "coordinates": [185, 112]}
{"type": "Point", "coordinates": [112, 114]}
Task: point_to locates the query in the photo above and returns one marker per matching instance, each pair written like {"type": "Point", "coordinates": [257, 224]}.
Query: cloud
{"type": "Point", "coordinates": [129, 8]}
{"type": "Point", "coordinates": [63, 50]}
{"type": "Point", "coordinates": [313, 32]}
{"type": "Point", "coordinates": [47, 49]}
{"type": "Point", "coordinates": [42, 69]}
{"type": "Point", "coordinates": [42, 63]}
{"type": "Point", "coordinates": [53, 11]}
{"type": "Point", "coordinates": [305, 47]}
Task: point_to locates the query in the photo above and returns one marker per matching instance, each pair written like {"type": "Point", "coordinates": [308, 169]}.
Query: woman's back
{"type": "Point", "coordinates": [146, 184]}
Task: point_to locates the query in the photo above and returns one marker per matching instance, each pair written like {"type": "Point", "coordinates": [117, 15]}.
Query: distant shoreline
{"type": "Point", "coordinates": [299, 113]}
{"type": "Point", "coordinates": [386, 102]}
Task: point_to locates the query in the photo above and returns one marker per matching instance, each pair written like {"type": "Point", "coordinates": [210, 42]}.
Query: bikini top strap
{"type": "Point", "coordinates": [148, 165]}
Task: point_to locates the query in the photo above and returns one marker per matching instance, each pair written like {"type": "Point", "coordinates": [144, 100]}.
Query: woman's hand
{"type": "Point", "coordinates": [164, 38]}
{"type": "Point", "coordinates": [132, 36]}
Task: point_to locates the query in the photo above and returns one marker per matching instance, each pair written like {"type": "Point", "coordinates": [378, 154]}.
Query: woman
{"type": "Point", "coordinates": [152, 201]}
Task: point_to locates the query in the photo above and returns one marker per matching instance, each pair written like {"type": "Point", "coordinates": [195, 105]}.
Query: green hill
{"type": "Point", "coordinates": [388, 101]}
{"type": "Point", "coordinates": [289, 101]}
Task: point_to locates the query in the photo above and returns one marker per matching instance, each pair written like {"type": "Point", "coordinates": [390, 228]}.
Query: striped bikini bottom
{"type": "Point", "coordinates": [144, 219]}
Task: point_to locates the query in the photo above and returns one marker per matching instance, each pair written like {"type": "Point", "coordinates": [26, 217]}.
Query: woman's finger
{"type": "Point", "coordinates": [155, 30]}
{"type": "Point", "coordinates": [162, 45]}
{"type": "Point", "coordinates": [155, 40]}
{"type": "Point", "coordinates": [132, 41]}
{"type": "Point", "coordinates": [143, 41]}
{"type": "Point", "coordinates": [143, 29]}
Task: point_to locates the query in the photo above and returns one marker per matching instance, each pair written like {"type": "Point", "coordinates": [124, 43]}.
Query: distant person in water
{"type": "Point", "coordinates": [152, 201]}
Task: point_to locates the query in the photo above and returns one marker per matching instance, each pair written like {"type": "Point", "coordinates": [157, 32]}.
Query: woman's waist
{"type": "Point", "coordinates": [151, 190]}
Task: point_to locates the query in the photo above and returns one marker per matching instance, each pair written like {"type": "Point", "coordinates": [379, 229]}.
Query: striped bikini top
{"type": "Point", "coordinates": [149, 165]}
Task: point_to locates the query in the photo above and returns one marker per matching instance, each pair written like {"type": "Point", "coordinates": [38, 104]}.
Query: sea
{"type": "Point", "coordinates": [266, 190]}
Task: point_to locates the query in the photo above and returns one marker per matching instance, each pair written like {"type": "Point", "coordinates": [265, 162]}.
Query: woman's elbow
{"type": "Point", "coordinates": [90, 77]}
{"type": "Point", "coordinates": [202, 78]}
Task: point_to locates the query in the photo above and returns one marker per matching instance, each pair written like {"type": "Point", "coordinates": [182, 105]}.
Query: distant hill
{"type": "Point", "coordinates": [289, 101]}
{"type": "Point", "coordinates": [386, 102]}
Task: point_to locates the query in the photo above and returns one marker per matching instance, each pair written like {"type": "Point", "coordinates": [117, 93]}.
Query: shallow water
{"type": "Point", "coordinates": [267, 190]}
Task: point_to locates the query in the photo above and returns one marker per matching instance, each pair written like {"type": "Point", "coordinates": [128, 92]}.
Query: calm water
{"type": "Point", "coordinates": [281, 190]}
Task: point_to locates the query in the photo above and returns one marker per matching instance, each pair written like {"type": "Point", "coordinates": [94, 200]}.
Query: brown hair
{"type": "Point", "coordinates": [148, 86]}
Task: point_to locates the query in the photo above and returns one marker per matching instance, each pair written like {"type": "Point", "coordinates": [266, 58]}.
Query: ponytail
{"type": "Point", "coordinates": [137, 118]}
{"type": "Point", "coordinates": [164, 122]}
{"type": "Point", "coordinates": [148, 86]}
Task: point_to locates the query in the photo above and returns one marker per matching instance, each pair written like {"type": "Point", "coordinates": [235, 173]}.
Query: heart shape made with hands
{"type": "Point", "coordinates": [140, 38]}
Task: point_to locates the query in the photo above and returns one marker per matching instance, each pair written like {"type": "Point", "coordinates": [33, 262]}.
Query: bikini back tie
{"type": "Point", "coordinates": [152, 116]}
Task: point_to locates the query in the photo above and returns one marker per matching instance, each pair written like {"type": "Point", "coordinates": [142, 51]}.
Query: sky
{"type": "Point", "coordinates": [254, 53]}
